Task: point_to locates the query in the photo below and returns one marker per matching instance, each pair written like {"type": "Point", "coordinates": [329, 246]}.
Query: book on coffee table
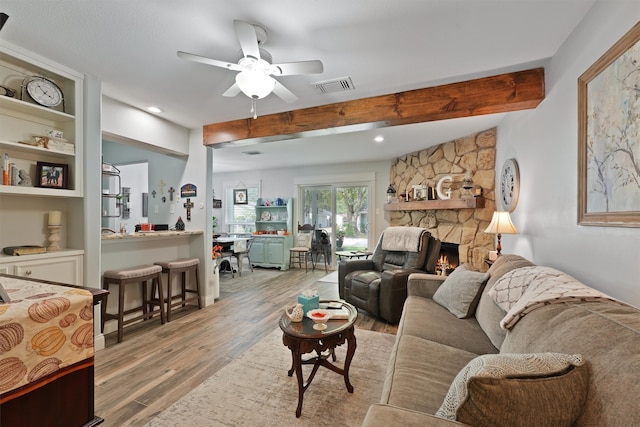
{"type": "Point", "coordinates": [336, 309]}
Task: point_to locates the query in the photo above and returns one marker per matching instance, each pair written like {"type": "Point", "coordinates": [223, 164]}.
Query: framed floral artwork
{"type": "Point", "coordinates": [609, 137]}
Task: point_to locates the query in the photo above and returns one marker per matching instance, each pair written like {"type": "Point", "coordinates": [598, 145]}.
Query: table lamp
{"type": "Point", "coordinates": [501, 224]}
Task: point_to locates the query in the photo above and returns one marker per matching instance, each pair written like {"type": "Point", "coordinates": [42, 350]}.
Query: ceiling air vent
{"type": "Point", "coordinates": [252, 153]}
{"type": "Point", "coordinates": [336, 85]}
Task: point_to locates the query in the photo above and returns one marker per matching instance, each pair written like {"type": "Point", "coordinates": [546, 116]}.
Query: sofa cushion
{"type": "Point", "coordinates": [518, 389]}
{"type": "Point", "coordinates": [380, 415]}
{"type": "Point", "coordinates": [608, 337]}
{"type": "Point", "coordinates": [488, 313]}
{"type": "Point", "coordinates": [424, 318]}
{"type": "Point", "coordinates": [363, 283]}
{"type": "Point", "coordinates": [459, 293]}
{"type": "Point", "coordinates": [419, 373]}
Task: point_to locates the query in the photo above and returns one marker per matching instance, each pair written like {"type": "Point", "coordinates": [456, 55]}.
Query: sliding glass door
{"type": "Point", "coordinates": [352, 217]}
{"type": "Point", "coordinates": [341, 211]}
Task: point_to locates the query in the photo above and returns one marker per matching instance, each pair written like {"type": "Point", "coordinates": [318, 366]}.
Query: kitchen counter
{"type": "Point", "coordinates": [149, 235]}
{"type": "Point", "coordinates": [128, 250]}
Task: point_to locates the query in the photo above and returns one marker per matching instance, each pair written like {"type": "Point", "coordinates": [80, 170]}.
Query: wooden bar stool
{"type": "Point", "coordinates": [134, 275]}
{"type": "Point", "coordinates": [181, 265]}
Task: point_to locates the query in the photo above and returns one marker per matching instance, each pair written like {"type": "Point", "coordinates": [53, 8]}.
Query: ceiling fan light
{"type": "Point", "coordinates": [255, 84]}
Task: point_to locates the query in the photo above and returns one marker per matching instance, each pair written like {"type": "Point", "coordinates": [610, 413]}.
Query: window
{"type": "Point", "coordinates": [241, 218]}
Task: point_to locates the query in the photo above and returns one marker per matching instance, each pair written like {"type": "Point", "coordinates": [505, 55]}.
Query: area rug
{"type": "Point", "coordinates": [255, 390]}
{"type": "Point", "coordinates": [330, 278]}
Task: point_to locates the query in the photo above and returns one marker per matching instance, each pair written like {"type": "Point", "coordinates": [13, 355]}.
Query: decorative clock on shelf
{"type": "Point", "coordinates": [509, 184]}
{"type": "Point", "coordinates": [44, 91]}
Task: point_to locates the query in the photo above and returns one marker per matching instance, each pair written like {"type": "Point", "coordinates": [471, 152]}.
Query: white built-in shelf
{"type": "Point", "coordinates": [38, 191]}
{"type": "Point", "coordinates": [26, 148]}
{"type": "Point", "coordinates": [16, 107]}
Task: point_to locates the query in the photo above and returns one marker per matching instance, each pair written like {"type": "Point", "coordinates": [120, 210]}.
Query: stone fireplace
{"type": "Point", "coordinates": [473, 154]}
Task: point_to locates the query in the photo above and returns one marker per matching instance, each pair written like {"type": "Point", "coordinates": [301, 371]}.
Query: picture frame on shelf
{"type": "Point", "coordinates": [52, 175]}
{"type": "Point", "coordinates": [608, 123]}
{"type": "Point", "coordinates": [240, 197]}
{"type": "Point", "coordinates": [420, 192]}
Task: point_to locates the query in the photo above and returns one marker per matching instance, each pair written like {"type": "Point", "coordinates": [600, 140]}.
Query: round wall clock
{"type": "Point", "coordinates": [44, 91]}
{"type": "Point", "coordinates": [509, 185]}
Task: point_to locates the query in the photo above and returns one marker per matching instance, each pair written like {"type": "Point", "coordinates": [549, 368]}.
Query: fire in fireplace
{"type": "Point", "coordinates": [449, 258]}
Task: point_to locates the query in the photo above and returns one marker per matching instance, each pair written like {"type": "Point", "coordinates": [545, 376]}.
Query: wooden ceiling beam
{"type": "Point", "coordinates": [488, 95]}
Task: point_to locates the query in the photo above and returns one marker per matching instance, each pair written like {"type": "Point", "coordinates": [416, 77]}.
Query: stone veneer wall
{"type": "Point", "coordinates": [475, 153]}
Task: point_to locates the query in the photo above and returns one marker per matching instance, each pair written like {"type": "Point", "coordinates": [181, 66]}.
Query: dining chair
{"type": "Point", "coordinates": [301, 252]}
{"type": "Point", "coordinates": [241, 249]}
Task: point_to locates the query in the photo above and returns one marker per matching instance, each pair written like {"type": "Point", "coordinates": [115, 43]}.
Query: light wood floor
{"type": "Point", "coordinates": [157, 364]}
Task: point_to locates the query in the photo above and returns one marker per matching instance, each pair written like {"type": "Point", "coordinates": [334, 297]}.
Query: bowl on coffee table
{"type": "Point", "coordinates": [320, 318]}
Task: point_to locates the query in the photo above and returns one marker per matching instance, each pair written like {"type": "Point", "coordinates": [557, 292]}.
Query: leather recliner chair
{"type": "Point", "coordinates": [379, 285]}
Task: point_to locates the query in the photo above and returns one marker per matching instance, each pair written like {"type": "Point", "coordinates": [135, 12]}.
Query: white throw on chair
{"type": "Point", "coordinates": [302, 250]}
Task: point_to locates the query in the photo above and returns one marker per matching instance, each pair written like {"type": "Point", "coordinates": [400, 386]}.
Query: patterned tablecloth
{"type": "Point", "coordinates": [44, 329]}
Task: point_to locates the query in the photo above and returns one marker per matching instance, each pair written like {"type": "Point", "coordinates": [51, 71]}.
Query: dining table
{"type": "Point", "coordinates": [233, 244]}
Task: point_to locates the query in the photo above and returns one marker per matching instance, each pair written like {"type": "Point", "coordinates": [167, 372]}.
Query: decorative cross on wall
{"type": "Point", "coordinates": [188, 205]}
{"type": "Point", "coordinates": [171, 191]}
{"type": "Point", "coordinates": [161, 184]}
{"type": "Point", "coordinates": [153, 193]}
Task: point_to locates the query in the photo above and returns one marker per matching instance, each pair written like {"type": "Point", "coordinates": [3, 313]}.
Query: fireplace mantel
{"type": "Point", "coordinates": [426, 205]}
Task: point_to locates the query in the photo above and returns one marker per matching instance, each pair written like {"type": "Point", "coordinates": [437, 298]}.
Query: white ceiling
{"type": "Point", "coordinates": [385, 46]}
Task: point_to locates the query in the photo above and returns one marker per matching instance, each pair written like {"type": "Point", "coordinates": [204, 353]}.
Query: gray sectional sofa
{"type": "Point", "coordinates": [433, 345]}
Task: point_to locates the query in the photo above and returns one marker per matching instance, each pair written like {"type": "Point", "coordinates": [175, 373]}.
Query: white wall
{"type": "Point", "coordinates": [162, 167]}
{"type": "Point", "coordinates": [198, 172]}
{"type": "Point", "coordinates": [123, 122]}
{"type": "Point", "coordinates": [544, 141]}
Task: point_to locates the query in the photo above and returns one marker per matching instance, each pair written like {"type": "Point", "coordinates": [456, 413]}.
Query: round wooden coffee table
{"type": "Point", "coordinates": [301, 338]}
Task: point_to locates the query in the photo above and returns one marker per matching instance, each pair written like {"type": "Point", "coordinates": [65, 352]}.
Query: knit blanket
{"type": "Point", "coordinates": [406, 239]}
{"type": "Point", "coordinates": [522, 290]}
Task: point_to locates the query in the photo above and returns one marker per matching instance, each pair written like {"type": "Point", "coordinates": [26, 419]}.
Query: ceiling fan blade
{"type": "Point", "coordinates": [284, 93]}
{"type": "Point", "coordinates": [302, 67]}
{"type": "Point", "coordinates": [232, 91]}
{"type": "Point", "coordinates": [208, 61]}
{"type": "Point", "coordinates": [248, 38]}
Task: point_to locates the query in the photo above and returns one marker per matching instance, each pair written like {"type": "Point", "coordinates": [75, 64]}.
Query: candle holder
{"type": "Point", "coordinates": [54, 238]}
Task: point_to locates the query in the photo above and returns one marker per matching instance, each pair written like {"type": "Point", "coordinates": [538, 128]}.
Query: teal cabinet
{"type": "Point", "coordinates": [271, 251]}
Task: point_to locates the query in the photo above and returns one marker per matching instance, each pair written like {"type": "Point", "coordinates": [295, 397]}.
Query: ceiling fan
{"type": "Point", "coordinates": [254, 78]}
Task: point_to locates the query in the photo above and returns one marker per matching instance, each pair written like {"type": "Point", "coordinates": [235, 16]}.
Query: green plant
{"type": "Point", "coordinates": [214, 224]}
{"type": "Point", "coordinates": [340, 233]}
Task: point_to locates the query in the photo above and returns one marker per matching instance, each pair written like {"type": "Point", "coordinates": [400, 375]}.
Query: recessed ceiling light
{"type": "Point", "coordinates": [379, 139]}
{"type": "Point", "coordinates": [154, 109]}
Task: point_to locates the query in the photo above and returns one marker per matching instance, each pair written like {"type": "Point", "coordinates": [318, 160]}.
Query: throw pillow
{"type": "Point", "coordinates": [518, 389]}
{"type": "Point", "coordinates": [512, 285]}
{"type": "Point", "coordinates": [460, 291]}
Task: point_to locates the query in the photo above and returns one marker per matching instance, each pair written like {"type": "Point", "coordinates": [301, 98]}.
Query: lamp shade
{"type": "Point", "coordinates": [501, 224]}
{"type": "Point", "coordinates": [255, 84]}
